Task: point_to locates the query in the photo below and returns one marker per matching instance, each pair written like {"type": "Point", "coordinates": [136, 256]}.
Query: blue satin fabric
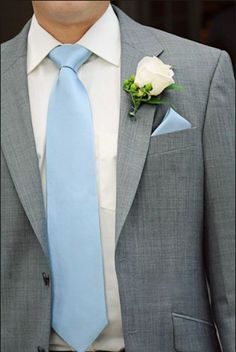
{"type": "Point", "coordinates": [172, 122]}
{"type": "Point", "coordinates": [79, 307]}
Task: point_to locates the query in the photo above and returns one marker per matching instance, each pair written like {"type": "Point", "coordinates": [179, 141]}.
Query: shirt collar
{"type": "Point", "coordinates": [102, 39]}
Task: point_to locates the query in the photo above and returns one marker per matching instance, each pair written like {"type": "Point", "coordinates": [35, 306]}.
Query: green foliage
{"type": "Point", "coordinates": [143, 95]}
{"type": "Point", "coordinates": [175, 86]}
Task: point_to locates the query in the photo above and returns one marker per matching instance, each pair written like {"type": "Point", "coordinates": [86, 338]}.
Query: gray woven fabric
{"type": "Point", "coordinates": [175, 208]}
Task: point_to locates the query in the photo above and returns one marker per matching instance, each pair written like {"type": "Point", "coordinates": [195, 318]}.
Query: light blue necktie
{"type": "Point", "coordinates": [78, 301]}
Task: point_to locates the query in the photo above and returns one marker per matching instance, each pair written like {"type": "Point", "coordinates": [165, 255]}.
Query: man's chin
{"type": "Point", "coordinates": [69, 12]}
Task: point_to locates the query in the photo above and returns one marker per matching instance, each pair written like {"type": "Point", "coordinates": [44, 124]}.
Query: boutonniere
{"type": "Point", "coordinates": [151, 79]}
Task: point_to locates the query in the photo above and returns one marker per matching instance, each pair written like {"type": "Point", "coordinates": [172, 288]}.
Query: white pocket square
{"type": "Point", "coordinates": [172, 122]}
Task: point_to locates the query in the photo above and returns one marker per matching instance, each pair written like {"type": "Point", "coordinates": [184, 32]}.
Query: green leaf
{"type": "Point", "coordinates": [175, 86]}
{"type": "Point", "coordinates": [156, 101]}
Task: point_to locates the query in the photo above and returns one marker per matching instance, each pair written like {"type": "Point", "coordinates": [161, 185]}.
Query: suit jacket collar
{"type": "Point", "coordinates": [18, 143]}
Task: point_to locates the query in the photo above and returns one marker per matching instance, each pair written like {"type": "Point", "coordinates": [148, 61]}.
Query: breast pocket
{"type": "Point", "coordinates": [194, 335]}
{"type": "Point", "coordinates": [174, 140]}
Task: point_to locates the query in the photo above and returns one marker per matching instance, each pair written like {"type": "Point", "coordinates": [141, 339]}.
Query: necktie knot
{"type": "Point", "coordinates": [69, 55]}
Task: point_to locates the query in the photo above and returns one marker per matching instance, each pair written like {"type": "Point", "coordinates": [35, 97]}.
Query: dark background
{"type": "Point", "coordinates": [207, 21]}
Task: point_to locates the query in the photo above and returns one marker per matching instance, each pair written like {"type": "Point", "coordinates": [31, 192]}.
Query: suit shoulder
{"type": "Point", "coordinates": [179, 46]}
{"type": "Point", "coordinates": [14, 48]}
{"type": "Point", "coordinates": [8, 48]}
{"type": "Point", "coordinates": [9, 54]}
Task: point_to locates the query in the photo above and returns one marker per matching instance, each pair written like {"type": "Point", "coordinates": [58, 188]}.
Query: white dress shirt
{"type": "Point", "coordinates": [101, 77]}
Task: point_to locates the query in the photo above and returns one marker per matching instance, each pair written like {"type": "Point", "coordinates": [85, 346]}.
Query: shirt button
{"type": "Point", "coordinates": [45, 278]}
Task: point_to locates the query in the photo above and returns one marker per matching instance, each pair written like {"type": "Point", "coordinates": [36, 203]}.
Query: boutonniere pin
{"type": "Point", "coordinates": [151, 79]}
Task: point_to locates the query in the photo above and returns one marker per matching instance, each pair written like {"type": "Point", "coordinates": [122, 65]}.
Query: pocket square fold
{"type": "Point", "coordinates": [172, 122]}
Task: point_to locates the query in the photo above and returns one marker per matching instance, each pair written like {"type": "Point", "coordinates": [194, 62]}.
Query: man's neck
{"type": "Point", "coordinates": [67, 33]}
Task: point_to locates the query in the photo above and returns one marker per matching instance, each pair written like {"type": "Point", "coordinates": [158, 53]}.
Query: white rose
{"type": "Point", "coordinates": [153, 70]}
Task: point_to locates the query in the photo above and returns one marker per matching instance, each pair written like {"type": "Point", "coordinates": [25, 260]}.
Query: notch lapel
{"type": "Point", "coordinates": [134, 136]}
{"type": "Point", "coordinates": [18, 144]}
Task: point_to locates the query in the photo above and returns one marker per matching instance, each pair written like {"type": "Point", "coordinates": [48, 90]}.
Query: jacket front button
{"type": "Point", "coordinates": [40, 349]}
{"type": "Point", "coordinates": [45, 278]}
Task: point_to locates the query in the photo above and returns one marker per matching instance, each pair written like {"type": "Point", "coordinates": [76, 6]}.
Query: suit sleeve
{"type": "Point", "coordinates": [219, 213]}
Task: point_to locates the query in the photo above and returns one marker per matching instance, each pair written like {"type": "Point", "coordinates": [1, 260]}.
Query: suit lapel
{"type": "Point", "coordinates": [18, 143]}
{"type": "Point", "coordinates": [134, 136]}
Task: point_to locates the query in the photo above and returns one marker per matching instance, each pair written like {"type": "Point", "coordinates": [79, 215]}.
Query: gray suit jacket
{"type": "Point", "coordinates": [174, 220]}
